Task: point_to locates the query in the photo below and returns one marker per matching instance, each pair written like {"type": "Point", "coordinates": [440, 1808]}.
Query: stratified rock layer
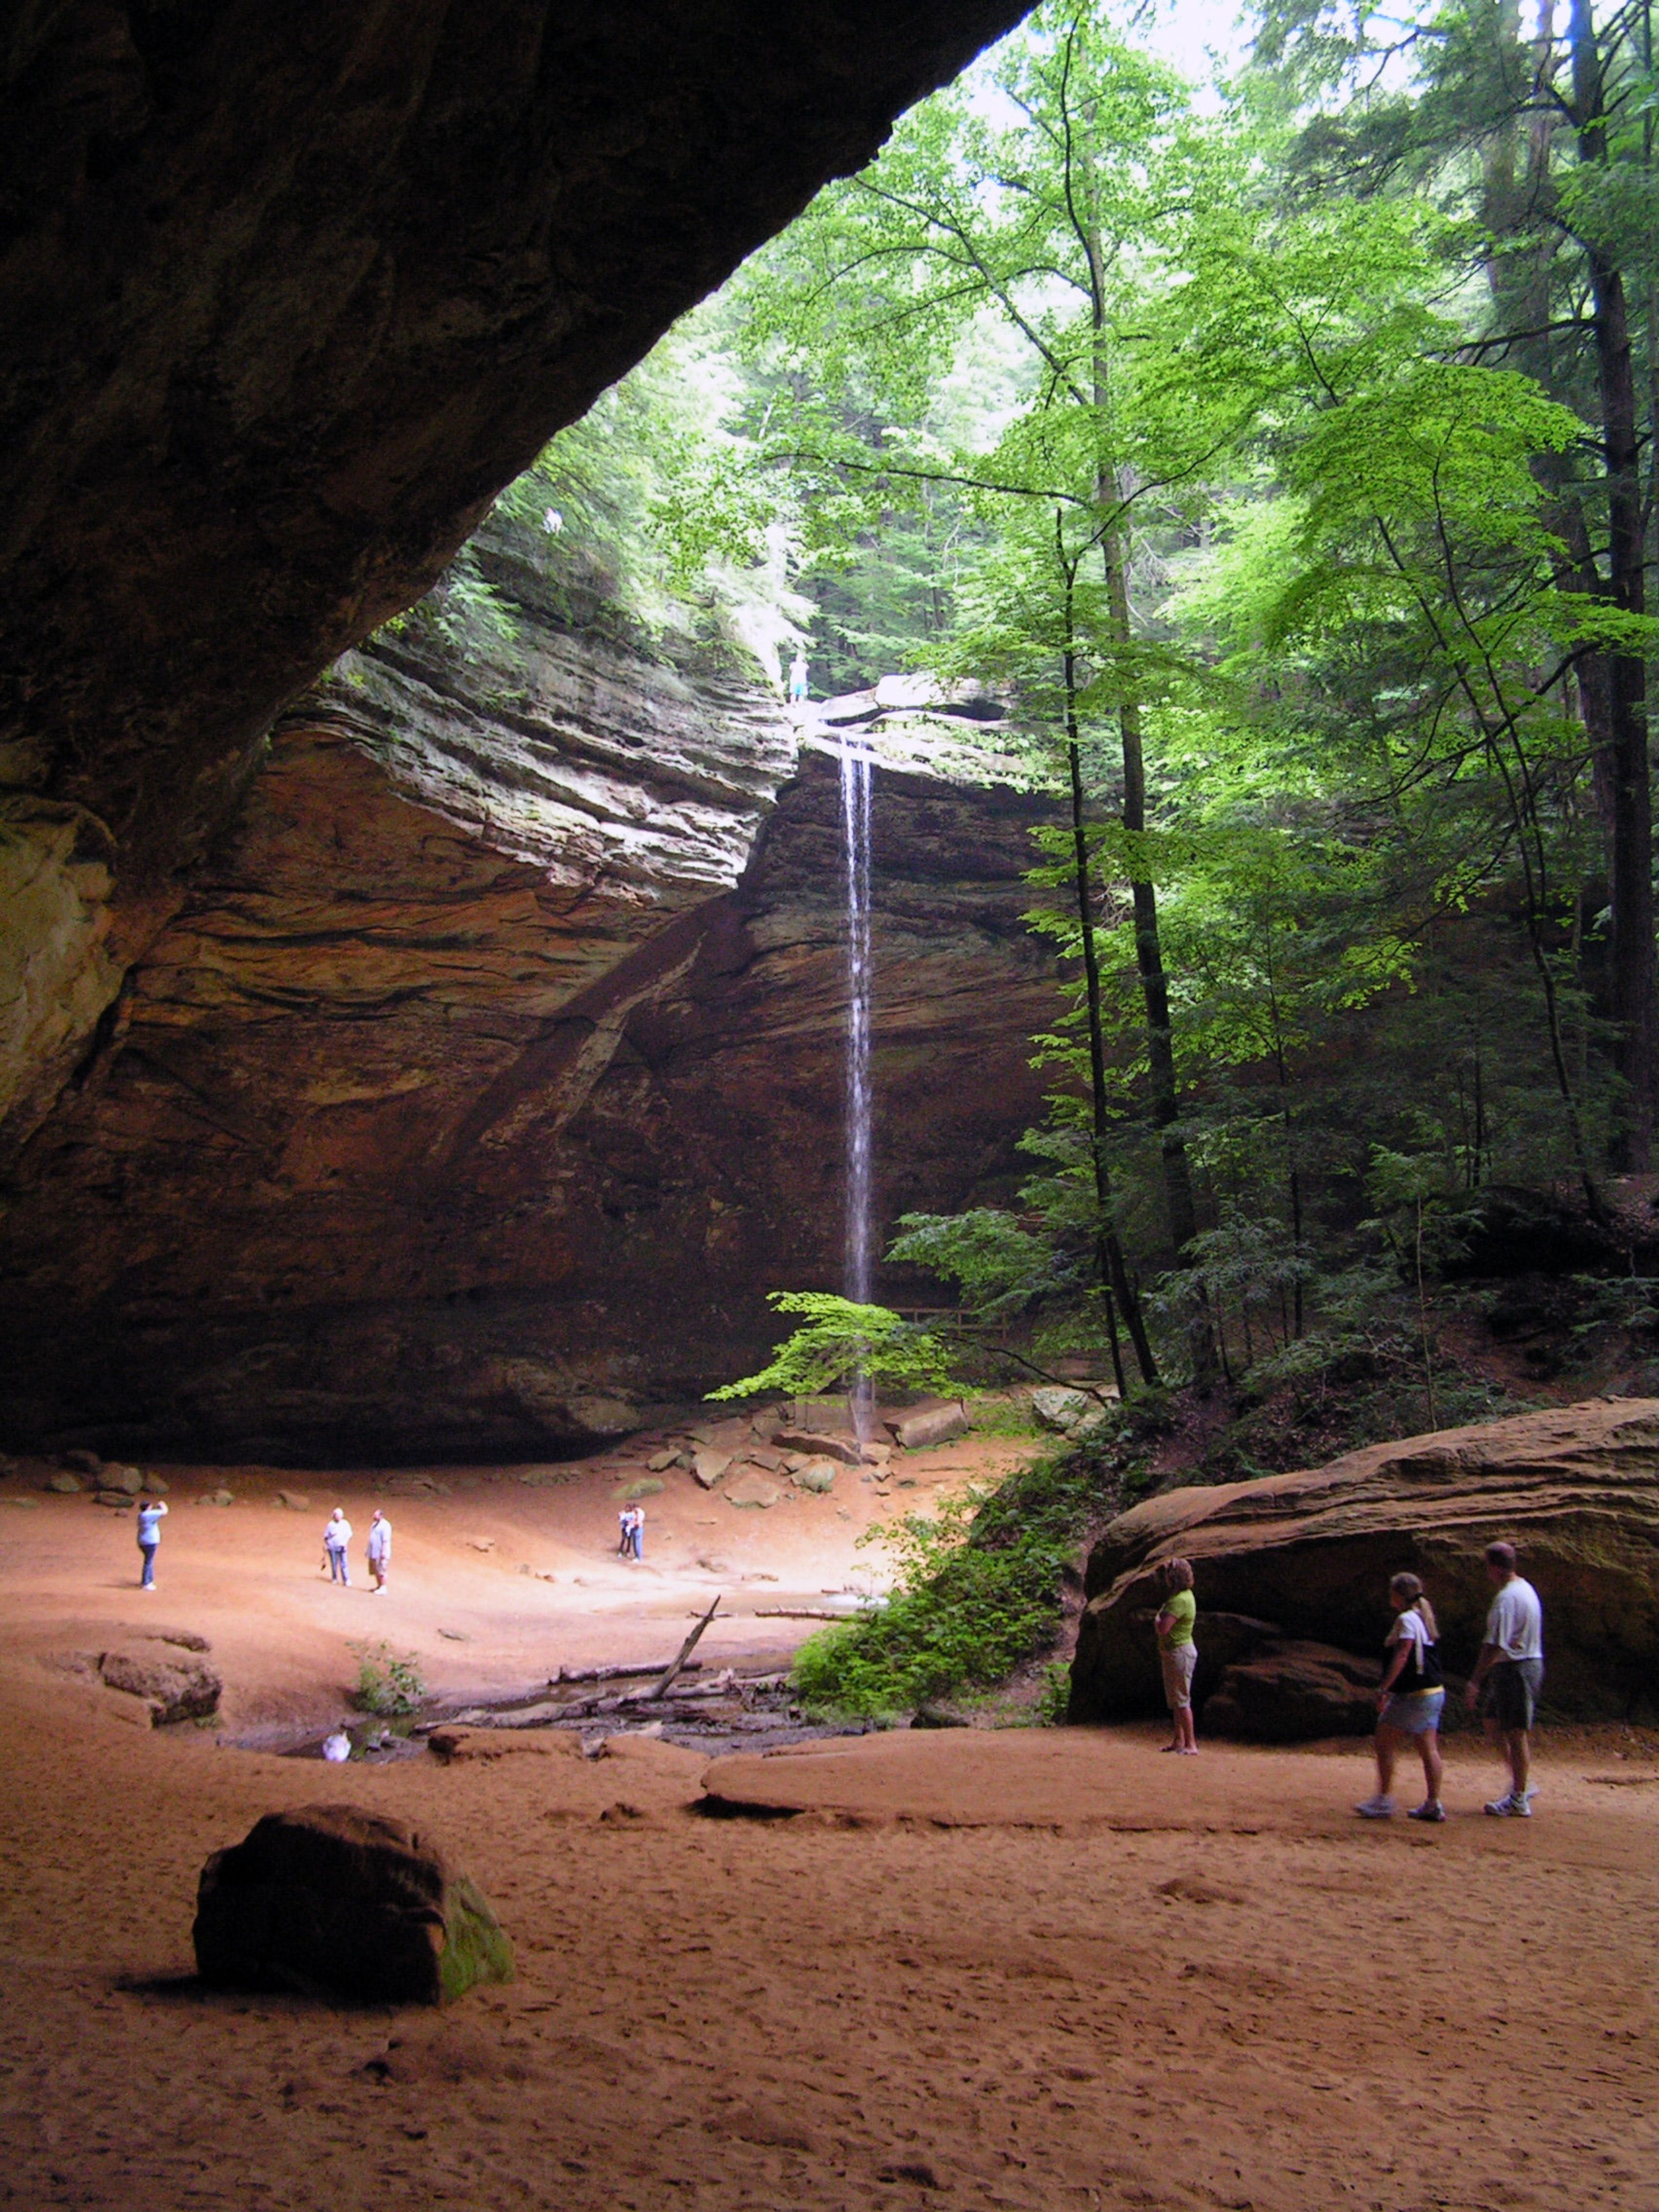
{"type": "Point", "coordinates": [1308, 1555]}
{"type": "Point", "coordinates": [493, 1071]}
{"type": "Point", "coordinates": [285, 298]}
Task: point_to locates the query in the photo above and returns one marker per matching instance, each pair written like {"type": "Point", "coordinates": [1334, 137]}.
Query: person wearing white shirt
{"type": "Point", "coordinates": [1510, 1670]}
{"type": "Point", "coordinates": [379, 1550]}
{"type": "Point", "coordinates": [336, 1534]}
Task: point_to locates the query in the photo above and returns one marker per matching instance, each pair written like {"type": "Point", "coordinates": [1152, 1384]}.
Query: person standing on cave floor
{"type": "Point", "coordinates": [336, 1534]}
{"type": "Point", "coordinates": [625, 1533]}
{"type": "Point", "coordinates": [379, 1550]}
{"type": "Point", "coordinates": [151, 1517]}
{"type": "Point", "coordinates": [636, 1533]}
{"type": "Point", "coordinates": [1177, 1655]}
{"type": "Point", "coordinates": [1409, 1702]}
{"type": "Point", "coordinates": [1511, 1669]}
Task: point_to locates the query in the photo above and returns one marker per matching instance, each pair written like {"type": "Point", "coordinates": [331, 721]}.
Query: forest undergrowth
{"type": "Point", "coordinates": [983, 1612]}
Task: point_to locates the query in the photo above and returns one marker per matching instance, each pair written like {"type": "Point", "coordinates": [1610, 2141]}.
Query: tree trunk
{"type": "Point", "coordinates": [1163, 1093]}
{"type": "Point", "coordinates": [1623, 763]}
{"type": "Point", "coordinates": [1113, 1275]}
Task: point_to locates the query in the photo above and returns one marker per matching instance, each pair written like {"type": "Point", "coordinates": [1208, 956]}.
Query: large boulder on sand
{"type": "Point", "coordinates": [1306, 1556]}
{"type": "Point", "coordinates": [338, 1901]}
{"type": "Point", "coordinates": [168, 1672]}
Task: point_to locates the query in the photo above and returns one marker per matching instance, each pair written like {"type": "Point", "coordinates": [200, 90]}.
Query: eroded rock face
{"type": "Point", "coordinates": [167, 1670]}
{"type": "Point", "coordinates": [492, 1070]}
{"type": "Point", "coordinates": [1577, 1489]}
{"type": "Point", "coordinates": [282, 308]}
{"type": "Point", "coordinates": [176, 1684]}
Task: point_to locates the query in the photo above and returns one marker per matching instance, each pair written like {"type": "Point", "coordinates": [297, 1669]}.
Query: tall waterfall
{"type": "Point", "coordinates": [855, 844]}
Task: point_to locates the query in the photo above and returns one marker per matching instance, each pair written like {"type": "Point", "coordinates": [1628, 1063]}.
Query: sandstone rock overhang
{"type": "Point", "coordinates": [1309, 1554]}
{"type": "Point", "coordinates": [284, 300]}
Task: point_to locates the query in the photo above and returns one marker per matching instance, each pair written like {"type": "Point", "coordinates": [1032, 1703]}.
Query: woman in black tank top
{"type": "Point", "coordinates": [1409, 1702]}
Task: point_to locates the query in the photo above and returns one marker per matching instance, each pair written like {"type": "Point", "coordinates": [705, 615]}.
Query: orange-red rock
{"type": "Point", "coordinates": [1577, 1488]}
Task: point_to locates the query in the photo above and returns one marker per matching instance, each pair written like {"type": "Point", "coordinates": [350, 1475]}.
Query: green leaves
{"type": "Point", "coordinates": [839, 1343]}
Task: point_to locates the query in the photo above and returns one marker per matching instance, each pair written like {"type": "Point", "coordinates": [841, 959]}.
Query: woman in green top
{"type": "Point", "coordinates": [1176, 1652]}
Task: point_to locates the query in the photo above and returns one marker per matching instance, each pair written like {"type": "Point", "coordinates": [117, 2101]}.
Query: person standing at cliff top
{"type": "Point", "coordinates": [379, 1550]}
{"type": "Point", "coordinates": [797, 677]}
{"type": "Point", "coordinates": [151, 1517]}
{"type": "Point", "coordinates": [1511, 1668]}
{"type": "Point", "coordinates": [336, 1534]}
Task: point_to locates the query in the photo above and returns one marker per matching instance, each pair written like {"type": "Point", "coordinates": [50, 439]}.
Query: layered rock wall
{"type": "Point", "coordinates": [491, 1071]}
{"type": "Point", "coordinates": [286, 296]}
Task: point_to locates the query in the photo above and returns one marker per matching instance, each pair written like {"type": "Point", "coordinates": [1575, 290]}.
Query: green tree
{"type": "Point", "coordinates": [1540, 140]}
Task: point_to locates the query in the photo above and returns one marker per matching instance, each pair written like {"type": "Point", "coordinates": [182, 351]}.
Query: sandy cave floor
{"type": "Point", "coordinates": [1029, 1968]}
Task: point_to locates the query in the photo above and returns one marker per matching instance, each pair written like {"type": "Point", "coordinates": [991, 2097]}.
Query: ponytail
{"type": "Point", "coordinates": [1410, 1591]}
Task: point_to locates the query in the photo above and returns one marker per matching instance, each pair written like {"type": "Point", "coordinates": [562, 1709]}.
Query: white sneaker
{"type": "Point", "coordinates": [1509, 1808]}
{"type": "Point", "coordinates": [1376, 1808]}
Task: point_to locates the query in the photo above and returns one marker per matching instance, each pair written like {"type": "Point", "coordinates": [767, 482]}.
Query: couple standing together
{"type": "Point", "coordinates": [336, 1541]}
{"type": "Point", "coordinates": [1413, 1695]}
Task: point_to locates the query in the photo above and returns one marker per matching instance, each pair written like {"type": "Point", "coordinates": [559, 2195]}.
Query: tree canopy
{"type": "Point", "coordinates": [1284, 449]}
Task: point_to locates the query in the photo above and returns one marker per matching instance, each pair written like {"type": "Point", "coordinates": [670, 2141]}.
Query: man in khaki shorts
{"type": "Point", "coordinates": [1511, 1669]}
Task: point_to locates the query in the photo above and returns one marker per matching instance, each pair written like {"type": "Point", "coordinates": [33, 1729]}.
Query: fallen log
{"type": "Point", "coordinates": [804, 1612]}
{"type": "Point", "coordinates": [614, 1674]}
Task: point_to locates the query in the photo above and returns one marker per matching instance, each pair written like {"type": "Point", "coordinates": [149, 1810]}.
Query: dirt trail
{"type": "Point", "coordinates": [495, 1585]}
{"type": "Point", "coordinates": [1024, 1970]}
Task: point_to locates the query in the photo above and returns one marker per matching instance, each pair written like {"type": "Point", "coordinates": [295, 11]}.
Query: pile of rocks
{"type": "Point", "coordinates": [110, 1484]}
{"type": "Point", "coordinates": [747, 1457]}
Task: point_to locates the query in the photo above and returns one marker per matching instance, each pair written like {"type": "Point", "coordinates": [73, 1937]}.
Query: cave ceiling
{"type": "Point", "coordinates": [287, 294]}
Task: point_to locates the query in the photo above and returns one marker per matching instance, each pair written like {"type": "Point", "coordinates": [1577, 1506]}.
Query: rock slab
{"type": "Point", "coordinates": [1306, 1556]}
{"type": "Point", "coordinates": [752, 1488]}
{"type": "Point", "coordinates": [930, 1424]}
{"type": "Point", "coordinates": [819, 1443]}
{"type": "Point", "coordinates": [173, 1679]}
{"type": "Point", "coordinates": [709, 1465]}
{"type": "Point", "coordinates": [334, 1900]}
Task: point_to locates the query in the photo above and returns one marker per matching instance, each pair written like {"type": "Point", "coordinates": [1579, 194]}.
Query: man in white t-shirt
{"type": "Point", "coordinates": [1511, 1669]}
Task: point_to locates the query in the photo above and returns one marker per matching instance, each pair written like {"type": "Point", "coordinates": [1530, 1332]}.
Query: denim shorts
{"type": "Point", "coordinates": [1416, 1712]}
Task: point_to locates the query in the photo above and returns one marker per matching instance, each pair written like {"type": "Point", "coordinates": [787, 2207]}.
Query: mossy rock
{"type": "Point", "coordinates": [336, 1901]}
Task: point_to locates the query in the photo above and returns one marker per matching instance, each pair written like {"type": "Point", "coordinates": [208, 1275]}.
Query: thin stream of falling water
{"type": "Point", "coordinates": [855, 842]}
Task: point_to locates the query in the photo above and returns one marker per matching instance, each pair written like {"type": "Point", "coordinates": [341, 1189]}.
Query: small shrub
{"type": "Point", "coordinates": [390, 1683]}
{"type": "Point", "coordinates": [1052, 1705]}
{"type": "Point", "coordinates": [977, 1592]}
{"type": "Point", "coordinates": [1003, 1416]}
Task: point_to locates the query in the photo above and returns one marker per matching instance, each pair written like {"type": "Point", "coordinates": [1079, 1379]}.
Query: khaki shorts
{"type": "Point", "coordinates": [1512, 1690]}
{"type": "Point", "coordinates": [1177, 1660]}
